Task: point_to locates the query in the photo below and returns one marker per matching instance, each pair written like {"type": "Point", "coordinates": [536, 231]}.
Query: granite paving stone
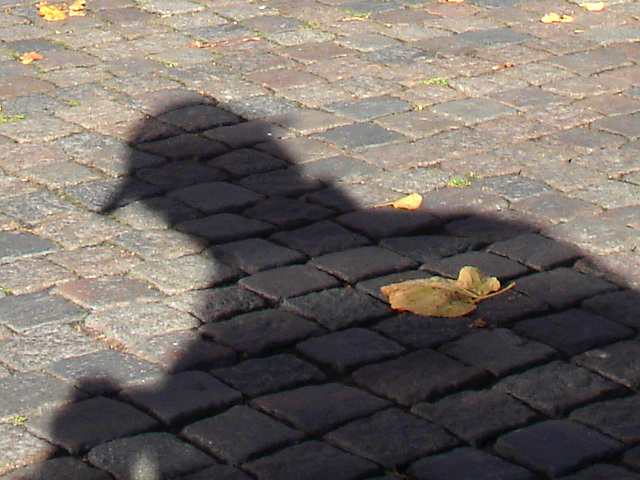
{"type": "Point", "coordinates": [617, 418]}
{"type": "Point", "coordinates": [617, 362]}
{"type": "Point", "coordinates": [319, 408]}
{"type": "Point", "coordinates": [337, 308]}
{"type": "Point", "coordinates": [284, 282]}
{"type": "Point", "coordinates": [106, 291]}
{"type": "Point", "coordinates": [221, 472]}
{"type": "Point", "coordinates": [80, 426]}
{"type": "Point", "coordinates": [631, 458]}
{"type": "Point", "coordinates": [381, 223]}
{"type": "Point", "coordinates": [216, 197]}
{"type": "Point", "coordinates": [373, 285]}
{"type": "Point", "coordinates": [288, 214]}
{"type": "Point", "coordinates": [603, 471]}
{"type": "Point", "coordinates": [213, 304]}
{"type": "Point", "coordinates": [31, 275]}
{"type": "Point", "coordinates": [417, 331]}
{"type": "Point", "coordinates": [490, 264]}
{"type": "Point", "coordinates": [349, 348]}
{"type": "Point", "coordinates": [314, 461]}
{"type": "Point", "coordinates": [58, 469]}
{"type": "Point", "coordinates": [260, 376]}
{"type": "Point", "coordinates": [499, 351]}
{"type": "Point", "coordinates": [359, 136]}
{"type": "Point", "coordinates": [239, 434]}
{"type": "Point", "coordinates": [159, 244]}
{"type": "Point", "coordinates": [417, 377]}
{"type": "Point", "coordinates": [391, 438]}
{"type": "Point", "coordinates": [536, 252]}
{"type": "Point", "coordinates": [22, 312]}
{"type": "Point", "coordinates": [477, 416]}
{"type": "Point", "coordinates": [466, 463]}
{"type": "Point", "coordinates": [620, 306]}
{"type": "Point", "coordinates": [163, 455]}
{"type": "Point", "coordinates": [562, 447]}
{"type": "Point", "coordinates": [256, 332]}
{"type": "Point", "coordinates": [423, 247]}
{"type": "Point", "coordinates": [562, 287]}
{"type": "Point", "coordinates": [19, 449]}
{"type": "Point", "coordinates": [225, 227]}
{"type": "Point", "coordinates": [241, 162]}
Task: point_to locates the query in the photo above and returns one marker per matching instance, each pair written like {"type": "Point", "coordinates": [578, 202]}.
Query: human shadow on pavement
{"type": "Point", "coordinates": [272, 352]}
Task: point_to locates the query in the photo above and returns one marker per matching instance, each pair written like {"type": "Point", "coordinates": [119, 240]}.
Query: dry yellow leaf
{"type": "Point", "coordinates": [455, 1]}
{"type": "Point", "coordinates": [410, 202]}
{"type": "Point", "coordinates": [443, 297]}
{"type": "Point", "coordinates": [51, 13]}
{"type": "Point", "coordinates": [593, 6]}
{"type": "Point", "coordinates": [29, 58]}
{"type": "Point", "coordinates": [495, 68]}
{"type": "Point", "coordinates": [76, 9]}
{"type": "Point", "coordinates": [554, 17]}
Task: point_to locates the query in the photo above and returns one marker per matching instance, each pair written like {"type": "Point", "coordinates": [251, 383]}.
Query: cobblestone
{"type": "Point", "coordinates": [187, 229]}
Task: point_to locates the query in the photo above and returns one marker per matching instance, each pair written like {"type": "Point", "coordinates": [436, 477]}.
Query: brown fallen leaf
{"type": "Point", "coordinates": [443, 297]}
{"type": "Point", "coordinates": [593, 6]}
{"type": "Point", "coordinates": [410, 202]}
{"type": "Point", "coordinates": [51, 13]}
{"type": "Point", "coordinates": [29, 58]}
{"type": "Point", "coordinates": [554, 17]}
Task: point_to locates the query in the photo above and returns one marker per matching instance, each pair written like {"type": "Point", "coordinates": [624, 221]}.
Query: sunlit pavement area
{"type": "Point", "coordinates": [195, 227]}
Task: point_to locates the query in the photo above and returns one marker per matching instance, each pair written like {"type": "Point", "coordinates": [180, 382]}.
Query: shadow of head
{"type": "Point", "coordinates": [269, 256]}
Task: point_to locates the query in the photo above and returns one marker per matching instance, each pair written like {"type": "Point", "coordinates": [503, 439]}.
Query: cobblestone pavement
{"type": "Point", "coordinates": [191, 262]}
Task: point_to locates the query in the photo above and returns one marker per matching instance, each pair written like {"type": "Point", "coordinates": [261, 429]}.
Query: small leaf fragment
{"type": "Point", "coordinates": [593, 6]}
{"type": "Point", "coordinates": [410, 202]}
{"type": "Point", "coordinates": [495, 68]}
{"type": "Point", "coordinates": [29, 58]}
{"type": "Point", "coordinates": [76, 9]}
{"type": "Point", "coordinates": [554, 17]}
{"type": "Point", "coordinates": [455, 1]}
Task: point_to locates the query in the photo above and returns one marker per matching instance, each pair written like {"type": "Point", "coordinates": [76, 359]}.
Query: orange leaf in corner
{"type": "Point", "coordinates": [51, 13]}
{"type": "Point", "coordinates": [30, 57]}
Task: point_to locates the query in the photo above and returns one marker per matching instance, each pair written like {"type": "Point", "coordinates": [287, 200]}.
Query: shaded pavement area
{"type": "Point", "coordinates": [192, 247]}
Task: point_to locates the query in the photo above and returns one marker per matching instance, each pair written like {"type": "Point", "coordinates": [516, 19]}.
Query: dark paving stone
{"type": "Point", "coordinates": [240, 434]}
{"type": "Point", "coordinates": [256, 332]}
{"type": "Point", "coordinates": [181, 397]}
{"type": "Point", "coordinates": [631, 459]}
{"type": "Point", "coordinates": [557, 387]}
{"type": "Point", "coordinates": [618, 418]}
{"type": "Point", "coordinates": [216, 197]}
{"type": "Point", "coordinates": [391, 438]}
{"type": "Point", "coordinates": [561, 447]}
{"type": "Point", "coordinates": [245, 161]}
{"type": "Point", "coordinates": [29, 393]}
{"type": "Point", "coordinates": [563, 287]}
{"type": "Point", "coordinates": [319, 408]}
{"type": "Point", "coordinates": [367, 109]}
{"type": "Point", "coordinates": [22, 244]}
{"type": "Point", "coordinates": [219, 472]}
{"type": "Point", "coordinates": [194, 118]}
{"type": "Point", "coordinates": [359, 136]}
{"type": "Point", "coordinates": [22, 312]}
{"type": "Point", "coordinates": [105, 195]}
{"type": "Point", "coordinates": [423, 248]}
{"type": "Point", "coordinates": [184, 147]}
{"type": "Point", "coordinates": [319, 238]}
{"type": "Point", "coordinates": [496, 37]}
{"type": "Point", "coordinates": [364, 262]}
{"type": "Point", "coordinates": [449, 203]}
{"type": "Point", "coordinates": [83, 425]}
{"type": "Point", "coordinates": [422, 332]}
{"type": "Point", "coordinates": [255, 254]}
{"type": "Point", "coordinates": [311, 461]}
{"type": "Point", "coordinates": [500, 351]}
{"type": "Point", "coordinates": [502, 225]}
{"type": "Point", "coordinates": [476, 416]}
{"type": "Point", "coordinates": [467, 463]}
{"type": "Point", "coordinates": [217, 303]}
{"type": "Point", "coordinates": [288, 214]}
{"type": "Point", "coordinates": [284, 183]}
{"type": "Point", "coordinates": [58, 469]}
{"type": "Point", "coordinates": [490, 264]}
{"type": "Point", "coordinates": [270, 374]}
{"type": "Point", "coordinates": [619, 362]}
{"type": "Point", "coordinates": [417, 377]}
{"type": "Point", "coordinates": [104, 372]}
{"type": "Point", "coordinates": [555, 208]}
{"type": "Point", "coordinates": [225, 227]}
{"type": "Point", "coordinates": [536, 252]}
{"type": "Point", "coordinates": [574, 331]}
{"type": "Point", "coordinates": [339, 168]}
{"type": "Point", "coordinates": [164, 455]}
{"type": "Point", "coordinates": [350, 348]}
{"type": "Point", "coordinates": [337, 308]}
{"type": "Point", "coordinates": [620, 306]}
{"type": "Point", "coordinates": [285, 282]}
{"type": "Point", "coordinates": [507, 308]}
{"type": "Point", "coordinates": [603, 471]}
{"type": "Point", "coordinates": [384, 222]}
